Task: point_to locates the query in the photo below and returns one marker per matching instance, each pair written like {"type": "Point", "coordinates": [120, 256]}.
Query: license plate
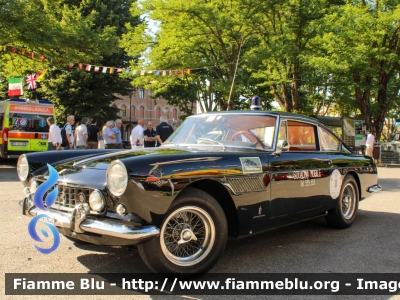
{"type": "Point", "coordinates": [23, 144]}
{"type": "Point", "coordinates": [47, 220]}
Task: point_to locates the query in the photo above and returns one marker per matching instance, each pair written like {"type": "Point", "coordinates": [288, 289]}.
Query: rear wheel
{"type": "Point", "coordinates": [193, 235]}
{"type": "Point", "coordinates": [345, 212]}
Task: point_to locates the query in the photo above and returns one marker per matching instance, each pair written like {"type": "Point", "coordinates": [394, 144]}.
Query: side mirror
{"type": "Point", "coordinates": [281, 146]}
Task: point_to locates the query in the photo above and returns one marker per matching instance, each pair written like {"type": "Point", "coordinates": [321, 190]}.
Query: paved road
{"type": "Point", "coordinates": [371, 245]}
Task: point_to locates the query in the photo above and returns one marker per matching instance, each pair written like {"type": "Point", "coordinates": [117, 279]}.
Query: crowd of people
{"type": "Point", "coordinates": [89, 136]}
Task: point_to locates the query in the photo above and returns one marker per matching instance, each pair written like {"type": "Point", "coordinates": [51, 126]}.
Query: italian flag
{"type": "Point", "coordinates": [15, 87]}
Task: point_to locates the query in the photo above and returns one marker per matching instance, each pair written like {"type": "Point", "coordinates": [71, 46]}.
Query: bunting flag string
{"type": "Point", "coordinates": [104, 69]}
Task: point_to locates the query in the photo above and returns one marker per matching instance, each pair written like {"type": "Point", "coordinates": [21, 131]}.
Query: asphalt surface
{"type": "Point", "coordinates": [371, 245]}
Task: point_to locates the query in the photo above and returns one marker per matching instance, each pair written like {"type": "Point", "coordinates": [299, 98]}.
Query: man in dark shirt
{"type": "Point", "coordinates": [163, 131]}
{"type": "Point", "coordinates": [149, 136]}
{"type": "Point", "coordinates": [93, 135]}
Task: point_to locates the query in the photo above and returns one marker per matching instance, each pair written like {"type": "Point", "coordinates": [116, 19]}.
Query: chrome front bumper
{"type": "Point", "coordinates": [374, 188]}
{"type": "Point", "coordinates": [80, 222]}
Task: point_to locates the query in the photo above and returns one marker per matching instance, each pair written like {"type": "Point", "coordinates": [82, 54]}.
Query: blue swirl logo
{"type": "Point", "coordinates": [38, 201]}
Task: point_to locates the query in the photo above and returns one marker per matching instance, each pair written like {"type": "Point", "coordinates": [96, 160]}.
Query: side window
{"type": "Point", "coordinates": [328, 142]}
{"type": "Point", "coordinates": [282, 131]}
{"type": "Point", "coordinates": [301, 136]}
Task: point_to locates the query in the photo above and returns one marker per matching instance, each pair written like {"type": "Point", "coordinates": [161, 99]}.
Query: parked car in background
{"type": "Point", "coordinates": [220, 175]}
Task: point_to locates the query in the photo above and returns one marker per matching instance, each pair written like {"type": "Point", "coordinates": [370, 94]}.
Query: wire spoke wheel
{"type": "Point", "coordinates": [187, 236]}
{"type": "Point", "coordinates": [348, 201]}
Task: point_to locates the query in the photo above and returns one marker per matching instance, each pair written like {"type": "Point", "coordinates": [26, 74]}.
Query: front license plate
{"type": "Point", "coordinates": [47, 220]}
{"type": "Point", "coordinates": [23, 144]}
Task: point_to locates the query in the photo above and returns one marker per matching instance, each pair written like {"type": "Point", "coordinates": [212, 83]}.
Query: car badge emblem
{"type": "Point", "coordinates": [81, 197]}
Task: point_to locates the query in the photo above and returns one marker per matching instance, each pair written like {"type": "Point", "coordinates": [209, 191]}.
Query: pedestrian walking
{"type": "Point", "coordinates": [81, 134]}
{"type": "Point", "coordinates": [369, 144]}
{"type": "Point", "coordinates": [117, 130]}
{"type": "Point", "coordinates": [163, 130]}
{"type": "Point", "coordinates": [54, 141]}
{"type": "Point", "coordinates": [109, 136]}
{"type": "Point", "coordinates": [149, 136]}
{"type": "Point", "coordinates": [93, 135]}
{"type": "Point", "coordinates": [137, 135]}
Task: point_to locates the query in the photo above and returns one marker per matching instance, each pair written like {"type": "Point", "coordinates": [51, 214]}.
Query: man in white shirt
{"type": "Point", "coordinates": [137, 135]}
{"type": "Point", "coordinates": [54, 141]}
{"type": "Point", "coordinates": [81, 134]}
{"type": "Point", "coordinates": [369, 144]}
{"type": "Point", "coordinates": [69, 132]}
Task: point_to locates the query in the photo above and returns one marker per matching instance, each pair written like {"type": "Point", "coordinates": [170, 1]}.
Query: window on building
{"type": "Point", "coordinates": [123, 111]}
{"type": "Point", "coordinates": [141, 93]}
{"type": "Point", "coordinates": [158, 112]}
{"type": "Point", "coordinates": [175, 113]}
{"type": "Point", "coordinates": [133, 111]}
{"type": "Point", "coordinates": [141, 112]}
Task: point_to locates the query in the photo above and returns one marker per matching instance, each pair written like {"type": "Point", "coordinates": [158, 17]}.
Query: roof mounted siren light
{"type": "Point", "coordinates": [255, 103]}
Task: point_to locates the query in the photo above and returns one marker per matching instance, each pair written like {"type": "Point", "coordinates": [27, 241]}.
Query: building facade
{"type": "Point", "coordinates": [140, 105]}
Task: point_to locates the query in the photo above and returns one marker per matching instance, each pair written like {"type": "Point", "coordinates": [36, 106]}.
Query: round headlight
{"type": "Point", "coordinates": [96, 201]}
{"type": "Point", "coordinates": [117, 178]}
{"type": "Point", "coordinates": [22, 167]}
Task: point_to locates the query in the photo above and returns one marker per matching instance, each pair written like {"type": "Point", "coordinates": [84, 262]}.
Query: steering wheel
{"type": "Point", "coordinates": [258, 141]}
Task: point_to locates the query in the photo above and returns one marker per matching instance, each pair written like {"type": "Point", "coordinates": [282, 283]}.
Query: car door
{"type": "Point", "coordinates": [299, 175]}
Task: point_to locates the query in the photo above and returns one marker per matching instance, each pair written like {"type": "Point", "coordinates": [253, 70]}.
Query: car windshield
{"type": "Point", "coordinates": [238, 130]}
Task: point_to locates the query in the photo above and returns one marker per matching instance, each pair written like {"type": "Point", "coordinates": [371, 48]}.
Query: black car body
{"type": "Point", "coordinates": [220, 175]}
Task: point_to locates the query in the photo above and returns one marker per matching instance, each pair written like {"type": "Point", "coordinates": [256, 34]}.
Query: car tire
{"type": "Point", "coordinates": [345, 212]}
{"type": "Point", "coordinates": [192, 237]}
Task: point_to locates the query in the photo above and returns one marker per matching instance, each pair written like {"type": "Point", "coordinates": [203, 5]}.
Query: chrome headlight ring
{"type": "Point", "coordinates": [117, 178]}
{"type": "Point", "coordinates": [22, 167]}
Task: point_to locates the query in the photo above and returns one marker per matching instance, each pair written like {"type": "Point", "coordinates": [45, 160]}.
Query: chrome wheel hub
{"type": "Point", "coordinates": [348, 201]}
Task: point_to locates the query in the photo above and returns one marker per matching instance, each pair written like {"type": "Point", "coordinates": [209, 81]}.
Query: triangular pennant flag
{"type": "Point", "coordinates": [70, 65]}
{"type": "Point", "coordinates": [23, 51]}
{"type": "Point", "coordinates": [127, 71]}
{"type": "Point", "coordinates": [164, 73]}
{"type": "Point", "coordinates": [88, 67]}
{"type": "Point", "coordinates": [96, 69]}
{"type": "Point", "coordinates": [111, 70]}
{"type": "Point", "coordinates": [15, 87]}
{"type": "Point", "coordinates": [80, 65]}
{"type": "Point", "coordinates": [135, 72]}
{"type": "Point", "coordinates": [188, 71]}
{"type": "Point", "coordinates": [119, 70]}
{"type": "Point", "coordinates": [105, 69]}
{"type": "Point", "coordinates": [14, 50]}
{"type": "Point", "coordinates": [42, 57]}
{"type": "Point", "coordinates": [158, 73]}
{"type": "Point", "coordinates": [52, 60]}
{"type": "Point", "coordinates": [176, 72]}
{"type": "Point", "coordinates": [40, 75]}
{"type": "Point", "coordinates": [32, 55]}
{"type": "Point", "coordinates": [142, 72]}
{"type": "Point", "coordinates": [181, 72]}
{"type": "Point", "coordinates": [60, 61]}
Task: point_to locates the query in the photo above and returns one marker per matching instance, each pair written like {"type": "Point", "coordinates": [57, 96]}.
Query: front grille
{"type": "Point", "coordinates": [246, 184]}
{"type": "Point", "coordinates": [69, 196]}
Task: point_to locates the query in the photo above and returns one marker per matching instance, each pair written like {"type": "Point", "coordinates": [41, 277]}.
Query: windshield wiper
{"type": "Point", "coordinates": [212, 142]}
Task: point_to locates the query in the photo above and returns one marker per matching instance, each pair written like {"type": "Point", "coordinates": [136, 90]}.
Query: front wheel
{"type": "Point", "coordinates": [193, 235]}
{"type": "Point", "coordinates": [345, 212]}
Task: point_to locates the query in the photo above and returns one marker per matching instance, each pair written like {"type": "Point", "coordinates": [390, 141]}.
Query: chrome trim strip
{"type": "Point", "coordinates": [374, 188]}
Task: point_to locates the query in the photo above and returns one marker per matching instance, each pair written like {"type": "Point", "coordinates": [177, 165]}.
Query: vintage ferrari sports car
{"type": "Point", "coordinates": [220, 175]}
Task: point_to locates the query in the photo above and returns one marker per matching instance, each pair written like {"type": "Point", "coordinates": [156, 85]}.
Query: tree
{"type": "Point", "coordinates": [362, 47]}
{"type": "Point", "coordinates": [76, 91]}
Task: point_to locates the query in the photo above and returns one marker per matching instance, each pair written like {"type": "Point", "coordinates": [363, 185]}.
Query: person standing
{"type": "Point", "coordinates": [149, 136]}
{"type": "Point", "coordinates": [93, 135]}
{"type": "Point", "coordinates": [117, 130]}
{"type": "Point", "coordinates": [109, 136]}
{"type": "Point", "coordinates": [369, 144]}
{"type": "Point", "coordinates": [163, 131]}
{"type": "Point", "coordinates": [137, 135]}
{"type": "Point", "coordinates": [55, 139]}
{"type": "Point", "coordinates": [69, 131]}
{"type": "Point", "coordinates": [81, 134]}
